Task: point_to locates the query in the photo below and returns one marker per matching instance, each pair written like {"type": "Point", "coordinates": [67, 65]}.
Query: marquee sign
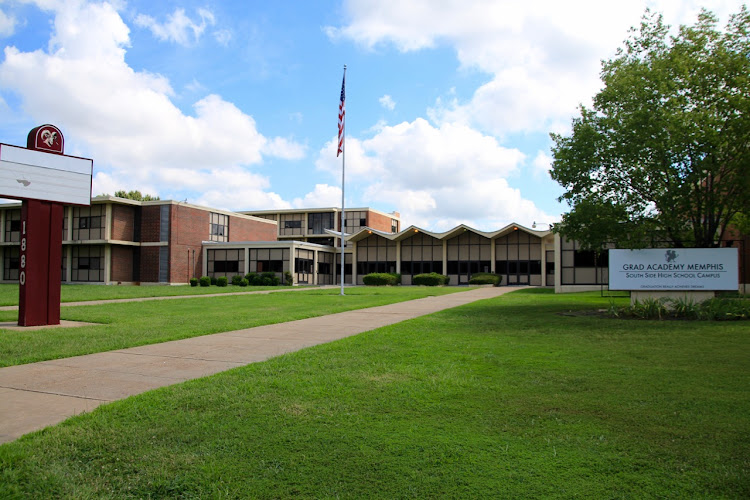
{"type": "Point", "coordinates": [704, 269]}
{"type": "Point", "coordinates": [37, 175]}
{"type": "Point", "coordinates": [44, 179]}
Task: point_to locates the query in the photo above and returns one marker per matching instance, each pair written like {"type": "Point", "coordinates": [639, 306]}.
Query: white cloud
{"type": "Point", "coordinates": [126, 120]}
{"type": "Point", "coordinates": [7, 24]}
{"type": "Point", "coordinates": [437, 176]}
{"type": "Point", "coordinates": [543, 57]}
{"type": "Point", "coordinates": [321, 197]}
{"type": "Point", "coordinates": [180, 29]}
{"type": "Point", "coordinates": [541, 164]}
{"type": "Point", "coordinates": [387, 102]}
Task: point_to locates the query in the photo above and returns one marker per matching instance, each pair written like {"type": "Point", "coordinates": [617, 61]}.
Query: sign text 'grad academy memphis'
{"type": "Point", "coordinates": [674, 269]}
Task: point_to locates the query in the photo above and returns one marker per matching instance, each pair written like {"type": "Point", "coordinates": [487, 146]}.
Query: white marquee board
{"type": "Point", "coordinates": [29, 174]}
{"type": "Point", "coordinates": [674, 269]}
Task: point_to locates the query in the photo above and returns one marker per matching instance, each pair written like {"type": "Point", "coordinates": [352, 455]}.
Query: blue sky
{"type": "Point", "coordinates": [233, 104]}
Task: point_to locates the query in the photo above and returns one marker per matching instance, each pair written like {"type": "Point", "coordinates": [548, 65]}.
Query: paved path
{"type": "Point", "coordinates": [36, 395]}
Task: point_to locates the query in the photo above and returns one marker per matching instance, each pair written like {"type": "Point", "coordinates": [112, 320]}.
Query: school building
{"type": "Point", "coordinates": [121, 241]}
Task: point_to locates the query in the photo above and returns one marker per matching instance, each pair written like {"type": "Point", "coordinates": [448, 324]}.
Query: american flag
{"type": "Point", "coordinates": [342, 112]}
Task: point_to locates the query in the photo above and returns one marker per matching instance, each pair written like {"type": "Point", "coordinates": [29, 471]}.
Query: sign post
{"type": "Point", "coordinates": [44, 179]}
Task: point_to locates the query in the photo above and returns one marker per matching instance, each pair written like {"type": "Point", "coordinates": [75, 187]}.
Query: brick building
{"type": "Point", "coordinates": [116, 240]}
{"type": "Point", "coordinates": [312, 225]}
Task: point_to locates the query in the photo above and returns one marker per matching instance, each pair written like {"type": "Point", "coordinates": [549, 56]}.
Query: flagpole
{"type": "Point", "coordinates": [342, 118]}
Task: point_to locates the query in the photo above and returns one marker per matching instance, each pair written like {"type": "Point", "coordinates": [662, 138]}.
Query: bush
{"type": "Point", "coordinates": [193, 281]}
{"type": "Point", "coordinates": [256, 280]}
{"type": "Point", "coordinates": [236, 279]}
{"type": "Point", "coordinates": [288, 279]}
{"type": "Point", "coordinates": [716, 309]}
{"type": "Point", "coordinates": [222, 281]}
{"type": "Point", "coordinates": [724, 309]}
{"type": "Point", "coordinates": [205, 281]}
{"type": "Point", "coordinates": [244, 282]}
{"type": "Point", "coordinates": [379, 279]}
{"type": "Point", "coordinates": [431, 279]}
{"type": "Point", "coordinates": [213, 280]}
{"type": "Point", "coordinates": [485, 279]}
{"type": "Point", "coordinates": [249, 277]}
{"type": "Point", "coordinates": [273, 280]}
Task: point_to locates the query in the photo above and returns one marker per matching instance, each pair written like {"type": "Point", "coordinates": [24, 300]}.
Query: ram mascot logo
{"type": "Point", "coordinates": [49, 137]}
{"type": "Point", "coordinates": [670, 255]}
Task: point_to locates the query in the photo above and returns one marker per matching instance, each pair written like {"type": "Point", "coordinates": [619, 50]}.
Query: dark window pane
{"type": "Point", "coordinates": [535, 267]}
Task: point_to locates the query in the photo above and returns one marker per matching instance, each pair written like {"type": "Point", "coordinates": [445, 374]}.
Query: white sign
{"type": "Point", "coordinates": [674, 269]}
{"type": "Point", "coordinates": [36, 175]}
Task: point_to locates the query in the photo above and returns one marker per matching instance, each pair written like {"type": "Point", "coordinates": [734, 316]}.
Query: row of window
{"type": "Point", "coordinates": [87, 263]}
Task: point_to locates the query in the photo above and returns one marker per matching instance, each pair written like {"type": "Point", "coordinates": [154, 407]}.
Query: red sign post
{"type": "Point", "coordinates": [44, 179]}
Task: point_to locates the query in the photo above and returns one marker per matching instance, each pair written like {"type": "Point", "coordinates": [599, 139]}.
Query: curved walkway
{"type": "Point", "coordinates": [40, 394]}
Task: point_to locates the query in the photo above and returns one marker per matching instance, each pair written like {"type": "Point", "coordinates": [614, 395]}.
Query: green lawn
{"type": "Point", "coordinates": [504, 398]}
{"type": "Point", "coordinates": [122, 325]}
{"type": "Point", "coordinates": [78, 293]}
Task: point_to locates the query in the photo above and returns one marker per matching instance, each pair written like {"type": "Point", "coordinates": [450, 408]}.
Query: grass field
{"type": "Point", "coordinates": [122, 325]}
{"type": "Point", "coordinates": [505, 398]}
{"type": "Point", "coordinates": [79, 293]}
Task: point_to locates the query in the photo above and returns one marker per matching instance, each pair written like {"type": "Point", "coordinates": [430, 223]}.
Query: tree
{"type": "Point", "coordinates": [135, 195]}
{"type": "Point", "coordinates": [664, 155]}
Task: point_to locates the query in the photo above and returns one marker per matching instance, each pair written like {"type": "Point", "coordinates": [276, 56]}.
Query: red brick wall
{"type": "Point", "coordinates": [149, 264]}
{"type": "Point", "coordinates": [150, 223]}
{"type": "Point", "coordinates": [122, 263]}
{"type": "Point", "coordinates": [251, 230]}
{"type": "Point", "coordinates": [190, 227]}
{"type": "Point", "coordinates": [123, 222]}
{"type": "Point", "coordinates": [379, 222]}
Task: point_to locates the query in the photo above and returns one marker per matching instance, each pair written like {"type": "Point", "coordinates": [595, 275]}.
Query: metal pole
{"type": "Point", "coordinates": [343, 177]}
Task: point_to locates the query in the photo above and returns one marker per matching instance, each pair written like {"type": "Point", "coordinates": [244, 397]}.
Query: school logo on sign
{"type": "Point", "coordinates": [47, 138]}
{"type": "Point", "coordinates": [670, 255]}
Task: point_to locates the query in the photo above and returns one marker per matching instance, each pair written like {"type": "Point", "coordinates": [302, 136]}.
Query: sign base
{"type": "Point", "coordinates": [39, 263]}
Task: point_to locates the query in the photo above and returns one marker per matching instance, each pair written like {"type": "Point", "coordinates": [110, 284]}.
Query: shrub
{"type": "Point", "coordinates": [379, 279]}
{"type": "Point", "coordinates": [213, 280]}
{"type": "Point", "coordinates": [270, 279]}
{"type": "Point", "coordinates": [193, 281]}
{"type": "Point", "coordinates": [288, 279]}
{"type": "Point", "coordinates": [257, 280]}
{"type": "Point", "coordinates": [205, 281]}
{"type": "Point", "coordinates": [249, 277]}
{"type": "Point", "coordinates": [244, 282]}
{"type": "Point", "coordinates": [431, 279]}
{"type": "Point", "coordinates": [485, 279]}
{"type": "Point", "coordinates": [650, 308]}
{"type": "Point", "coordinates": [724, 309]}
{"type": "Point", "coordinates": [236, 279]}
{"type": "Point", "coordinates": [221, 281]}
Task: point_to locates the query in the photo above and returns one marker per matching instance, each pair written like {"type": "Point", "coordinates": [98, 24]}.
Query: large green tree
{"type": "Point", "coordinates": [664, 155]}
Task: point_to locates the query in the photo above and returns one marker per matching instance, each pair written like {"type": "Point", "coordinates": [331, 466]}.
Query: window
{"type": "Point", "coordinates": [318, 223]}
{"type": "Point", "coordinates": [468, 253]}
{"type": "Point", "coordinates": [12, 226]}
{"type": "Point", "coordinates": [87, 263]}
{"type": "Point", "coordinates": [394, 226]}
{"type": "Point", "coordinates": [218, 227]}
{"type": "Point", "coordinates": [519, 258]}
{"type": "Point", "coordinates": [225, 262]}
{"type": "Point", "coordinates": [10, 263]}
{"type": "Point", "coordinates": [293, 224]}
{"type": "Point", "coordinates": [88, 223]}
{"type": "Point", "coordinates": [582, 267]}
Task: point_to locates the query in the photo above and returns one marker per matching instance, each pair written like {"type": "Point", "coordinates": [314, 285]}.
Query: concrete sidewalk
{"type": "Point", "coordinates": [40, 394]}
